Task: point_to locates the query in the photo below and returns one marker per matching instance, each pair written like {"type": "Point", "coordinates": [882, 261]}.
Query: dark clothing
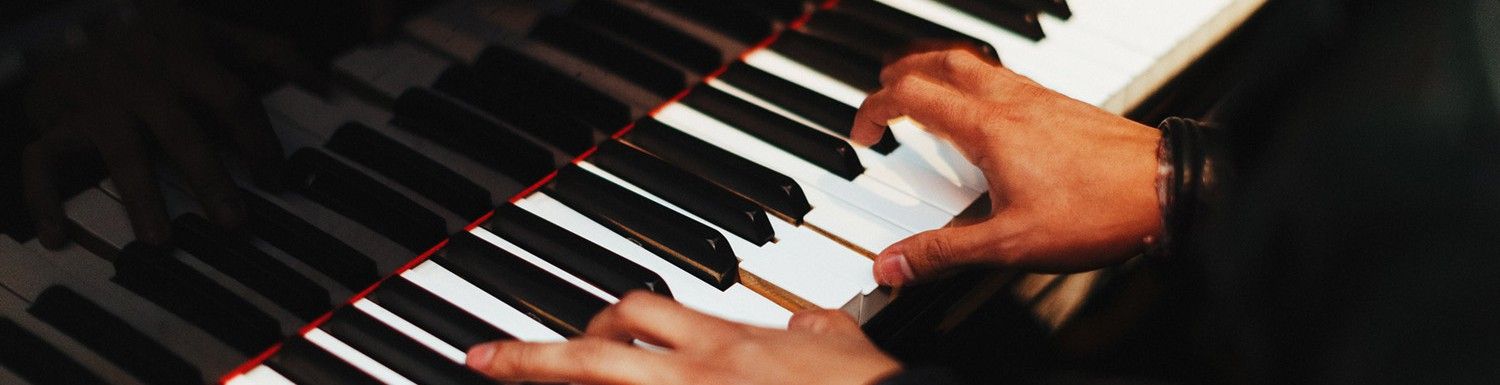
{"type": "Point", "coordinates": [1347, 226]}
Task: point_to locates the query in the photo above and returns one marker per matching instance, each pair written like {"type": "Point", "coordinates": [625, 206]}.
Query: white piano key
{"type": "Point", "coordinates": [910, 176]}
{"type": "Point", "coordinates": [737, 303]}
{"type": "Point", "coordinates": [863, 192]}
{"type": "Point", "coordinates": [355, 358]}
{"type": "Point", "coordinates": [824, 273]}
{"type": "Point", "coordinates": [1151, 27]}
{"type": "Point", "coordinates": [261, 375]}
{"type": "Point", "coordinates": [527, 256]}
{"type": "Point", "coordinates": [410, 330]}
{"type": "Point", "coordinates": [918, 145]}
{"type": "Point", "coordinates": [449, 286]}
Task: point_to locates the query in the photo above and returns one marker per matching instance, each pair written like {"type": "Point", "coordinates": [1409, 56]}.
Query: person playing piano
{"type": "Point", "coordinates": [1343, 207]}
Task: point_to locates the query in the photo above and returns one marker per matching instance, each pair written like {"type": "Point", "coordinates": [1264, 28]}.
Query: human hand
{"type": "Point", "coordinates": [1072, 187]}
{"type": "Point", "coordinates": [819, 347]}
{"type": "Point", "coordinates": [135, 88]}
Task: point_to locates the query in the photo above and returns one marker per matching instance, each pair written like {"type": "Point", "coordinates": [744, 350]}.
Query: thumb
{"type": "Point", "coordinates": [929, 253]}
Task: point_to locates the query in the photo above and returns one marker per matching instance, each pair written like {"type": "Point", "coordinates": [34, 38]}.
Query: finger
{"type": "Point", "coordinates": [587, 360]}
{"type": "Point", "coordinates": [124, 154]}
{"type": "Point", "coordinates": [956, 68]}
{"type": "Point", "coordinates": [932, 252]}
{"type": "Point", "coordinates": [658, 321]}
{"type": "Point", "coordinates": [824, 321]}
{"type": "Point", "coordinates": [940, 109]}
{"type": "Point", "coordinates": [39, 191]}
{"type": "Point", "coordinates": [188, 148]}
{"type": "Point", "coordinates": [929, 45]}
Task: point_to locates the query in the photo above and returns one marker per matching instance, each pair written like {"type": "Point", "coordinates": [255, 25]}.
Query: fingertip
{"type": "Point", "coordinates": [893, 269]}
{"type": "Point", "coordinates": [480, 356]}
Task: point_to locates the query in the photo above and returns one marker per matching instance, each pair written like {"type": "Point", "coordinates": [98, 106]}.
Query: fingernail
{"type": "Point", "coordinates": [893, 270]}
{"type": "Point", "coordinates": [480, 356]}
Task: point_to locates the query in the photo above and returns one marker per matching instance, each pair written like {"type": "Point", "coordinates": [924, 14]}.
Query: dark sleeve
{"type": "Point", "coordinates": [1192, 164]}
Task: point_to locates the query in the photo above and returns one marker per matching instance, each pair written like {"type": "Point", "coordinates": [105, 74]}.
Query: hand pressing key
{"type": "Point", "coordinates": [818, 347]}
{"type": "Point", "coordinates": [1071, 186]}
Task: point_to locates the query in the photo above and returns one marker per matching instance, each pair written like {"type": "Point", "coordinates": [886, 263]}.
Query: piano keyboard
{"type": "Point", "coordinates": [732, 186]}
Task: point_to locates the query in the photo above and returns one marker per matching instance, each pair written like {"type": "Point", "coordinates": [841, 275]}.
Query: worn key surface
{"type": "Point", "coordinates": [705, 199]}
{"type": "Point", "coordinates": [826, 151]}
{"type": "Point", "coordinates": [690, 245]}
{"type": "Point", "coordinates": [772, 190]}
{"type": "Point", "coordinates": [564, 249]}
{"type": "Point", "coordinates": [397, 351]}
{"type": "Point", "coordinates": [799, 100]}
{"type": "Point", "coordinates": [549, 299]}
{"type": "Point", "coordinates": [435, 315]}
{"type": "Point", "coordinates": [303, 362]}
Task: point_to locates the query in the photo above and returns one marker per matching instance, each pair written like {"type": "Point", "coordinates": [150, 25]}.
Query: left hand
{"type": "Point", "coordinates": [819, 347]}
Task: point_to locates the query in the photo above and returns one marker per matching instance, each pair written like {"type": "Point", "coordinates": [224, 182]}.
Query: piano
{"type": "Point", "coordinates": [508, 168]}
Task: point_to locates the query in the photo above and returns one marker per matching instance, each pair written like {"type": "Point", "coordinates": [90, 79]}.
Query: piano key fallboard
{"type": "Point", "coordinates": [544, 159]}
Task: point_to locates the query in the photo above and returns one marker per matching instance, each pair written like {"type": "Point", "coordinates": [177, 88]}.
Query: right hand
{"type": "Point", "coordinates": [1071, 186]}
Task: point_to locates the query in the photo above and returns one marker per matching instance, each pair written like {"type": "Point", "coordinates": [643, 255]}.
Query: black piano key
{"type": "Point", "coordinates": [1002, 14]}
{"type": "Point", "coordinates": [826, 151]}
{"type": "Point", "coordinates": [549, 299]}
{"type": "Point", "coordinates": [112, 338]}
{"type": "Point", "coordinates": [683, 189]}
{"type": "Point", "coordinates": [397, 351]}
{"type": "Point", "coordinates": [832, 59]}
{"type": "Point", "coordinates": [776, 192]}
{"type": "Point", "coordinates": [352, 194]}
{"type": "Point", "coordinates": [782, 10]}
{"type": "Point", "coordinates": [303, 362]}
{"type": "Point", "coordinates": [417, 172]}
{"type": "Point", "coordinates": [154, 274]}
{"type": "Point", "coordinates": [1057, 8]}
{"type": "Point", "coordinates": [744, 24]}
{"type": "Point", "coordinates": [37, 361]}
{"type": "Point", "coordinates": [673, 44]}
{"type": "Point", "coordinates": [430, 115]}
{"type": "Point", "coordinates": [857, 35]}
{"type": "Point", "coordinates": [610, 53]}
{"type": "Point", "coordinates": [521, 109]}
{"type": "Point", "coordinates": [899, 22]}
{"type": "Point", "coordinates": [573, 253]}
{"type": "Point", "coordinates": [435, 315]}
{"type": "Point", "coordinates": [308, 243]}
{"type": "Point", "coordinates": [808, 104]}
{"type": "Point", "coordinates": [250, 266]}
{"type": "Point", "coordinates": [501, 68]}
{"type": "Point", "coordinates": [698, 249]}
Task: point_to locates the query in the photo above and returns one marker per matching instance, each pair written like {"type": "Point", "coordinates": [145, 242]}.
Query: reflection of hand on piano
{"type": "Point", "coordinates": [153, 73]}
{"type": "Point", "coordinates": [1071, 185]}
{"type": "Point", "coordinates": [818, 347]}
